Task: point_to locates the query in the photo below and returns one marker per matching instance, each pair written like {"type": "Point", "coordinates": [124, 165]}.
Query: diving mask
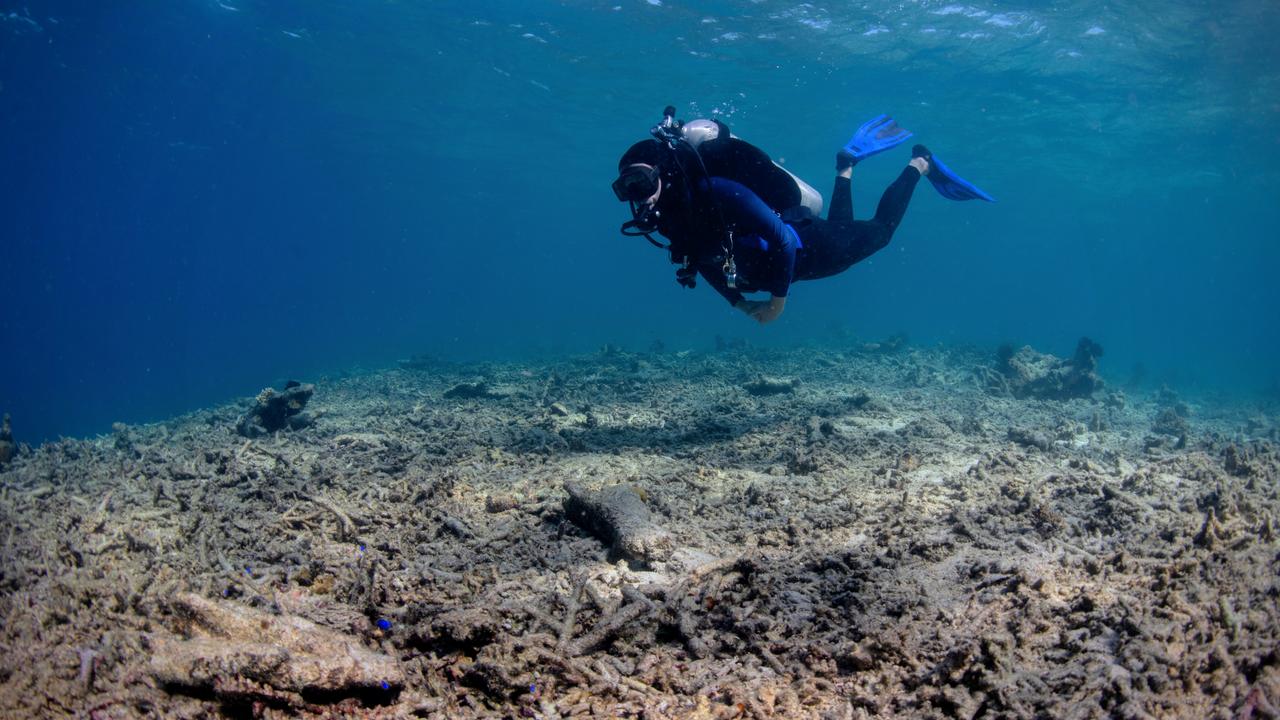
{"type": "Point", "coordinates": [636, 183]}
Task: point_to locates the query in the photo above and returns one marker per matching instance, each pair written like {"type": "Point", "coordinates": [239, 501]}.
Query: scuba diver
{"type": "Point", "coordinates": [746, 225]}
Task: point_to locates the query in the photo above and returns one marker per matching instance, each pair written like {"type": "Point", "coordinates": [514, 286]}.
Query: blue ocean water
{"type": "Point", "coordinates": [202, 197]}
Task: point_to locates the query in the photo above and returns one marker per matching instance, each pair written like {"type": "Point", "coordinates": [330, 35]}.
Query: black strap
{"type": "Point", "coordinates": [798, 215]}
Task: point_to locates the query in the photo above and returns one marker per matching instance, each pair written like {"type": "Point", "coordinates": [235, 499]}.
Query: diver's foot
{"type": "Point", "coordinates": [845, 161]}
{"type": "Point", "coordinates": [921, 159]}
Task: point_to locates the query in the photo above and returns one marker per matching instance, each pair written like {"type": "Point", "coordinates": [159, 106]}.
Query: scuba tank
{"type": "Point", "coordinates": [705, 148]}
{"type": "Point", "coordinates": [730, 157]}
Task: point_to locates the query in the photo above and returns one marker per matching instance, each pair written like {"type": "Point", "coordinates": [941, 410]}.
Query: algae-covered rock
{"type": "Point", "coordinates": [1169, 422]}
{"type": "Point", "coordinates": [1031, 438]}
{"type": "Point", "coordinates": [226, 644]}
{"type": "Point", "coordinates": [1031, 374]}
{"type": "Point", "coordinates": [764, 385]}
{"type": "Point", "coordinates": [273, 411]}
{"type": "Point", "coordinates": [619, 517]}
{"type": "Point", "coordinates": [476, 390]}
{"type": "Point", "coordinates": [7, 447]}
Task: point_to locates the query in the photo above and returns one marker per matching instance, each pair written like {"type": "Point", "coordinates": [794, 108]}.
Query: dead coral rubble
{"type": "Point", "coordinates": [665, 545]}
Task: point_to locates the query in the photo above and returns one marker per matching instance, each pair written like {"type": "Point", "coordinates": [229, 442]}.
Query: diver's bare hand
{"type": "Point", "coordinates": [763, 311]}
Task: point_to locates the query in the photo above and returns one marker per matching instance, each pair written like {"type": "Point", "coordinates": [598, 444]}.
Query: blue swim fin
{"type": "Point", "coordinates": [948, 184]}
{"type": "Point", "coordinates": [875, 136]}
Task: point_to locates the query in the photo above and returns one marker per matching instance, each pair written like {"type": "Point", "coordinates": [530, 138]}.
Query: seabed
{"type": "Point", "coordinates": [877, 531]}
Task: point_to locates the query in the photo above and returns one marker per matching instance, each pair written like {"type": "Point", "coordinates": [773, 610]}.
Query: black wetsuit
{"type": "Point", "coordinates": [770, 254]}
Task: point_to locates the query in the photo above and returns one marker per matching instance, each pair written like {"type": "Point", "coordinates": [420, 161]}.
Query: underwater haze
{"type": "Point", "coordinates": [203, 197]}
